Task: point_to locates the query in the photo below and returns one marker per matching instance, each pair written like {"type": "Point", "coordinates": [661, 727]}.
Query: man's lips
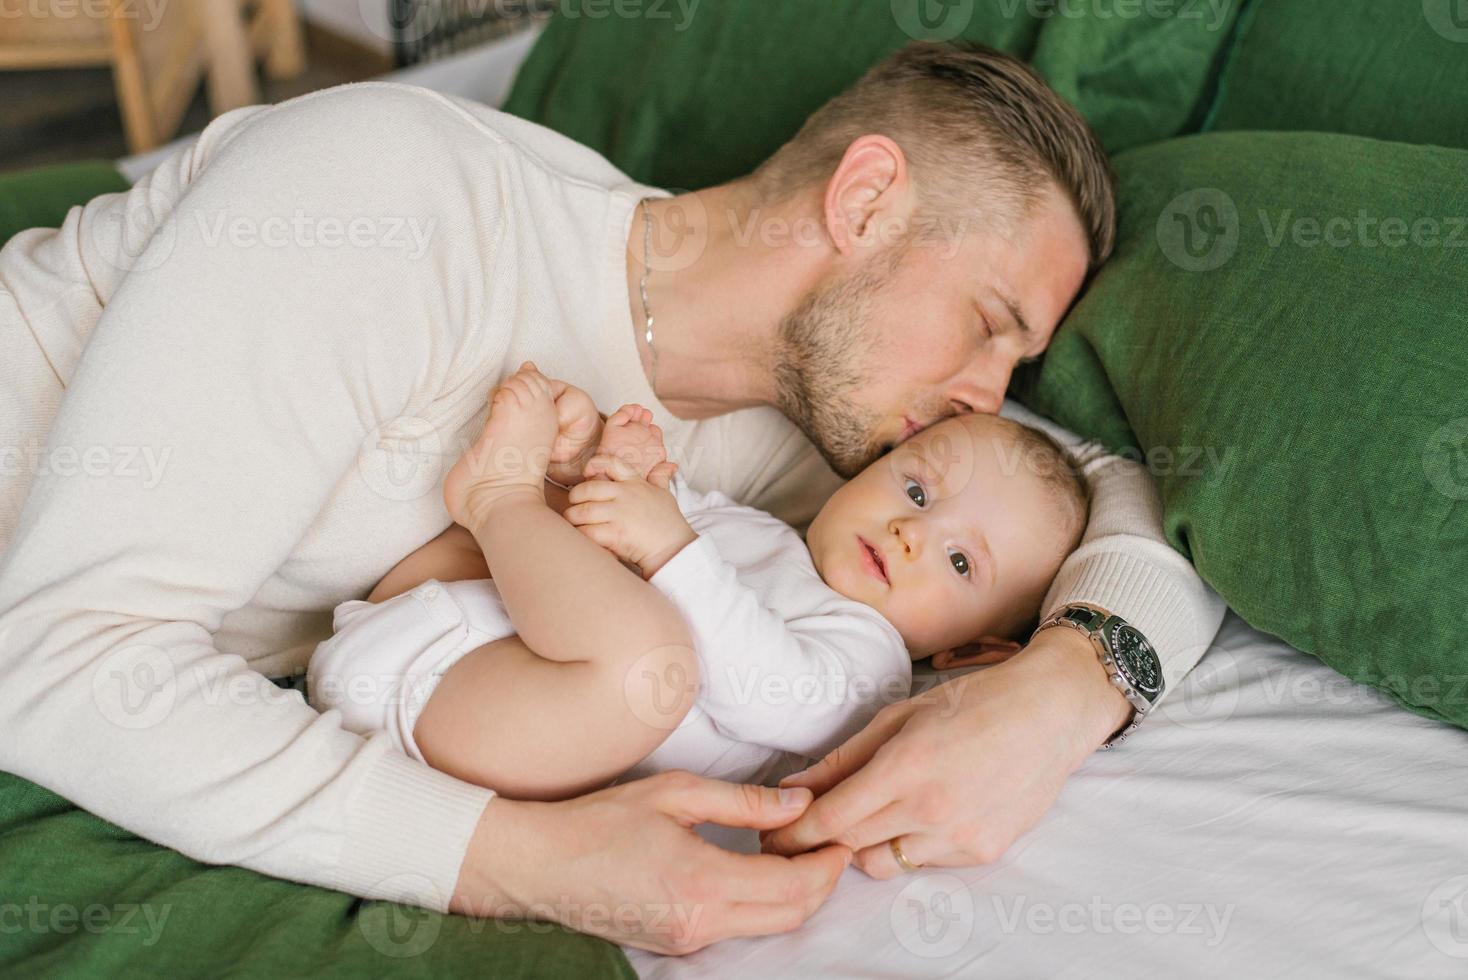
{"type": "Point", "coordinates": [909, 428]}
{"type": "Point", "coordinates": [872, 561]}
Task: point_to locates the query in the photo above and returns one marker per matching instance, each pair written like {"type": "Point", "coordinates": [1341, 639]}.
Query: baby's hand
{"type": "Point", "coordinates": [631, 447]}
{"type": "Point", "coordinates": [635, 519]}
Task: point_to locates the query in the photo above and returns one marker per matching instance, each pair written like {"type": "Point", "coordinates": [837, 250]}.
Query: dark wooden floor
{"type": "Point", "coordinates": [71, 114]}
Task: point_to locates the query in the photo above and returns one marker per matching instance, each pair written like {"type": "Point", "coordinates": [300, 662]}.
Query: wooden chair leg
{"type": "Point", "coordinates": [285, 54]}
{"type": "Point", "coordinates": [231, 62]}
{"type": "Point", "coordinates": [132, 89]}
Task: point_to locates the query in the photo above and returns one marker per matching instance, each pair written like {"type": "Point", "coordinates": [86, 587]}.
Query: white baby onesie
{"type": "Point", "coordinates": [789, 667]}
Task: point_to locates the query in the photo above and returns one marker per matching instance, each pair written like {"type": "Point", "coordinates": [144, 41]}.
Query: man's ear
{"type": "Point", "coordinates": [983, 651]}
{"type": "Point", "coordinates": [868, 181]}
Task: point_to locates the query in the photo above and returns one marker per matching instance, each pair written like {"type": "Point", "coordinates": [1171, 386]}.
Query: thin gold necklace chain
{"type": "Point", "coordinates": [642, 286]}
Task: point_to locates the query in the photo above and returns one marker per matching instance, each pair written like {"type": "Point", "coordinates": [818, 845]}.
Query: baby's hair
{"type": "Point", "coordinates": [1038, 453]}
{"type": "Point", "coordinates": [1048, 460]}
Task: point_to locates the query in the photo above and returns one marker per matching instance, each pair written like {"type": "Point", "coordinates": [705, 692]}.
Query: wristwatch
{"type": "Point", "coordinates": [1130, 661]}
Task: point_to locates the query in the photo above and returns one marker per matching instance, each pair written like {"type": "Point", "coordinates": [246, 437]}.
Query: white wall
{"type": "Point", "coordinates": [364, 21]}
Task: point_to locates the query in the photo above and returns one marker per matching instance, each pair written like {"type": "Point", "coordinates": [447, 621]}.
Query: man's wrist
{"type": "Point", "coordinates": [1070, 663]}
{"type": "Point", "coordinates": [483, 888]}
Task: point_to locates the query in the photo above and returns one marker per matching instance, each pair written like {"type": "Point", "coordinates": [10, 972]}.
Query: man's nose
{"type": "Point", "coordinates": [909, 533]}
{"type": "Point", "coordinates": [983, 389]}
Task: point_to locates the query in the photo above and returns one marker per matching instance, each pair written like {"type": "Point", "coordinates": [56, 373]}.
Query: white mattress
{"type": "Point", "coordinates": [1273, 820]}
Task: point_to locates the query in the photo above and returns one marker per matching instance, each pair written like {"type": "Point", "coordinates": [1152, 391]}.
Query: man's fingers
{"type": "Point", "coordinates": [892, 820]}
{"type": "Point", "coordinates": [698, 799]}
{"type": "Point", "coordinates": [850, 756]}
{"type": "Point", "coordinates": [819, 870]}
{"type": "Point", "coordinates": [769, 879]}
{"type": "Point", "coordinates": [856, 788]}
{"type": "Point", "coordinates": [921, 850]}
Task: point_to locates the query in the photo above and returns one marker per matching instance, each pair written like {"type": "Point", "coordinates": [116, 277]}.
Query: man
{"type": "Point", "coordinates": [299, 319]}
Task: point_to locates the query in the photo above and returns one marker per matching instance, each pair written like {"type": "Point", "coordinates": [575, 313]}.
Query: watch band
{"type": "Point", "coordinates": [1099, 626]}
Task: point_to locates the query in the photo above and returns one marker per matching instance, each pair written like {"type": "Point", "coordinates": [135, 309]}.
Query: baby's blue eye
{"type": "Point", "coordinates": [960, 562]}
{"type": "Point", "coordinates": [916, 493]}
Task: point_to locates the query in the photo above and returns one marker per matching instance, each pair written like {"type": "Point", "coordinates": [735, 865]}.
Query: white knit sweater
{"type": "Point", "coordinates": [304, 313]}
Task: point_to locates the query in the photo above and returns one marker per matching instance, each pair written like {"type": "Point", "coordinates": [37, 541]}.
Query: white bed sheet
{"type": "Point", "coordinates": [1273, 820]}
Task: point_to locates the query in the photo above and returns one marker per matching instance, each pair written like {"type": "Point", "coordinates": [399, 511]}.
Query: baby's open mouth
{"type": "Point", "coordinates": [872, 559]}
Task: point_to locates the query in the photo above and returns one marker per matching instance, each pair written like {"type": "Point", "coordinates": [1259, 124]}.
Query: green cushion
{"type": "Point", "coordinates": [1282, 330]}
{"type": "Point", "coordinates": [689, 101]}
{"type": "Point", "coordinates": [1138, 71]}
{"type": "Point", "coordinates": [1391, 69]}
{"type": "Point", "coordinates": [41, 197]}
{"type": "Point", "coordinates": [80, 897]}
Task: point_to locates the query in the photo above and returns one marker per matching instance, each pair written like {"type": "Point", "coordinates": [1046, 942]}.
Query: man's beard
{"type": "Point", "coordinates": [828, 346]}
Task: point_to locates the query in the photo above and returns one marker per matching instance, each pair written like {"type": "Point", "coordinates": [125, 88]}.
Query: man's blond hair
{"type": "Point", "coordinates": [985, 137]}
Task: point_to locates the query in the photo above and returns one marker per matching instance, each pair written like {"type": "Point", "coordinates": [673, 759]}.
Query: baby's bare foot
{"type": "Point", "coordinates": [513, 451]}
{"type": "Point", "coordinates": [631, 446]}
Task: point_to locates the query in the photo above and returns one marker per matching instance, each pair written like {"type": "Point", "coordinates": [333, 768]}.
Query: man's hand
{"type": "Point", "coordinates": [637, 520]}
{"type": "Point", "coordinates": [625, 864]}
{"type": "Point", "coordinates": [958, 773]}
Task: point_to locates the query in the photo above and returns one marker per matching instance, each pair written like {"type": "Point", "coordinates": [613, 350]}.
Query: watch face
{"type": "Point", "coordinates": [1136, 660]}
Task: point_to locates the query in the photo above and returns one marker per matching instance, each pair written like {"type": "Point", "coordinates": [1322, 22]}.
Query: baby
{"type": "Point", "coordinates": [735, 650]}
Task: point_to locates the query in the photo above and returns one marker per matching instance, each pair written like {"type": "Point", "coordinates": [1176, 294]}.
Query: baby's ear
{"type": "Point", "coordinates": [984, 650]}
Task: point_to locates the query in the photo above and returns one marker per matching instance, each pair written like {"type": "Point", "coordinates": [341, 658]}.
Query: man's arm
{"type": "Point", "coordinates": [218, 355]}
{"type": "Point", "coordinates": [1124, 563]}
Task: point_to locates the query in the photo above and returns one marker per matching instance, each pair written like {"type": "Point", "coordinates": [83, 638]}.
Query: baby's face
{"type": "Point", "coordinates": [952, 536]}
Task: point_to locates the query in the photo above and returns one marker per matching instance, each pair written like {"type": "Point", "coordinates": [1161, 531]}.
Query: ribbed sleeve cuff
{"type": "Point", "coordinates": [408, 829]}
{"type": "Point", "coordinates": [1177, 613]}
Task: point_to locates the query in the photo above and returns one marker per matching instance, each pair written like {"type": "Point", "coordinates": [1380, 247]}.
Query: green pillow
{"type": "Point", "coordinates": [687, 101]}
{"type": "Point", "coordinates": [692, 100]}
{"type": "Point", "coordinates": [41, 197]}
{"type": "Point", "coordinates": [1282, 334]}
{"type": "Point", "coordinates": [1392, 69]}
{"type": "Point", "coordinates": [1138, 71]}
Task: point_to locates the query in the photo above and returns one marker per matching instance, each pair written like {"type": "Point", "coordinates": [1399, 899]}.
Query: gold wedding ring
{"type": "Point", "coordinates": [901, 858]}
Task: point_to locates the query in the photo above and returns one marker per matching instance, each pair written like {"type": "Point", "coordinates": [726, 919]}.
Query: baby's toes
{"type": "Point", "coordinates": [623, 416]}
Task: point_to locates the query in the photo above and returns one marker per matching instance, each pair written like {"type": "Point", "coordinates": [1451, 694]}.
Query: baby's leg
{"type": "Point", "coordinates": [537, 729]}
{"type": "Point", "coordinates": [603, 667]}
